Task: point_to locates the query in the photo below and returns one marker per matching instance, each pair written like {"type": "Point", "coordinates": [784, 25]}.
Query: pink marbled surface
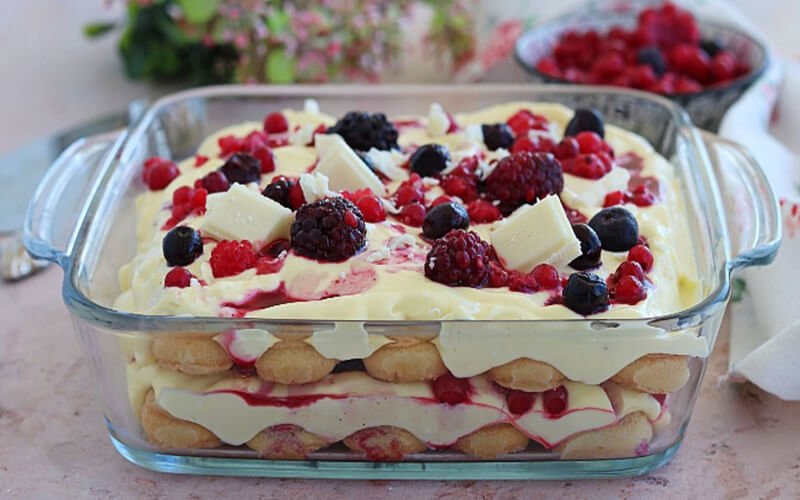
{"type": "Point", "coordinates": [741, 443]}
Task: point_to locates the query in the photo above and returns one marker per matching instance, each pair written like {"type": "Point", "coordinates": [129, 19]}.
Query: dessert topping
{"type": "Point", "coordinates": [363, 131]}
{"type": "Point", "coordinates": [276, 123]}
{"type": "Point", "coordinates": [451, 390]}
{"type": "Point", "coordinates": [178, 277]}
{"type": "Point", "coordinates": [278, 189]}
{"type": "Point", "coordinates": [158, 173]}
{"type": "Point", "coordinates": [230, 258]}
{"type": "Point", "coordinates": [345, 169]}
{"type": "Point", "coordinates": [590, 248]}
{"type": "Point", "coordinates": [617, 229]}
{"type": "Point", "coordinates": [444, 217]}
{"type": "Point", "coordinates": [523, 178]}
{"type": "Point", "coordinates": [497, 135]}
{"type": "Point", "coordinates": [585, 293]}
{"type": "Point", "coordinates": [459, 258]}
{"type": "Point", "coordinates": [181, 246]}
{"type": "Point", "coordinates": [243, 214]}
{"type": "Point", "coordinates": [242, 168]}
{"type": "Point", "coordinates": [586, 119]}
{"type": "Point", "coordinates": [331, 230]}
{"type": "Point", "coordinates": [429, 159]}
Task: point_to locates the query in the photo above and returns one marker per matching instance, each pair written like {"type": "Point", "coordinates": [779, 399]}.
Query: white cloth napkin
{"type": "Point", "coordinates": [765, 326]}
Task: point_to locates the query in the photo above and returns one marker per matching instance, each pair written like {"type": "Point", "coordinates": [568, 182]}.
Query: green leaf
{"type": "Point", "coordinates": [199, 11]}
{"type": "Point", "coordinates": [94, 30]}
{"type": "Point", "coordinates": [738, 288]}
{"type": "Point", "coordinates": [279, 68]}
{"type": "Point", "coordinates": [278, 22]}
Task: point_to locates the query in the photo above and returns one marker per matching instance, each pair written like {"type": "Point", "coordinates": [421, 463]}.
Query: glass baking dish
{"type": "Point", "coordinates": [82, 217]}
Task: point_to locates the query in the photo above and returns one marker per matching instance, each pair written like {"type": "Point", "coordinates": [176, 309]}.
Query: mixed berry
{"type": "Point", "coordinates": [476, 190]}
{"type": "Point", "coordinates": [664, 53]}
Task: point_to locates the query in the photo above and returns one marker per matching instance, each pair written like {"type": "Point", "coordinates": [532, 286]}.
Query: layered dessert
{"type": "Point", "coordinates": [436, 224]}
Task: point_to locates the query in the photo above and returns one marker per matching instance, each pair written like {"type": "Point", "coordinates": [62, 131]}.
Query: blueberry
{"type": "Point", "coordinates": [590, 248]}
{"type": "Point", "coordinates": [497, 136]}
{"type": "Point", "coordinates": [585, 293]}
{"type": "Point", "coordinates": [617, 229]}
{"type": "Point", "coordinates": [429, 160]}
{"type": "Point", "coordinates": [586, 119]}
{"type": "Point", "coordinates": [711, 47]}
{"type": "Point", "coordinates": [442, 218]}
{"type": "Point", "coordinates": [350, 365]}
{"type": "Point", "coordinates": [242, 168]}
{"type": "Point", "coordinates": [652, 57]}
{"type": "Point", "coordinates": [181, 246]}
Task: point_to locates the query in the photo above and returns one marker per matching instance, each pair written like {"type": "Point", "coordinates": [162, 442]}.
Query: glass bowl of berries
{"type": "Point", "coordinates": [647, 45]}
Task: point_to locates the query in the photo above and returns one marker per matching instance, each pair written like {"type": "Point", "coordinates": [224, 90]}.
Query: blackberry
{"type": "Point", "coordinates": [279, 189]}
{"type": "Point", "coordinates": [331, 230]}
{"type": "Point", "coordinates": [459, 258]}
{"type": "Point", "coordinates": [522, 178]}
{"type": "Point", "coordinates": [242, 168]}
{"type": "Point", "coordinates": [497, 135]}
{"type": "Point", "coordinates": [363, 131]}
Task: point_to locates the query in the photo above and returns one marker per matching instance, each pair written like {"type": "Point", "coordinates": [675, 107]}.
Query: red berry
{"type": "Point", "coordinates": [200, 160]}
{"type": "Point", "coordinates": [350, 219]}
{"type": "Point", "coordinates": [614, 198]}
{"type": "Point", "coordinates": [519, 402]}
{"type": "Point", "coordinates": [230, 144]}
{"type": "Point", "coordinates": [199, 197]}
{"type": "Point", "coordinates": [548, 67]}
{"type": "Point", "coordinates": [555, 400]}
{"type": "Point", "coordinates": [296, 196]}
{"type": "Point", "coordinates": [276, 123]}
{"type": "Point", "coordinates": [523, 120]}
{"type": "Point", "coordinates": [267, 159]}
{"type": "Point", "coordinates": [483, 211]}
{"type": "Point", "coordinates": [697, 65]}
{"type": "Point", "coordinates": [567, 148]}
{"type": "Point", "coordinates": [536, 144]}
{"type": "Point", "coordinates": [642, 76]}
{"type": "Point", "coordinates": [642, 255]}
{"type": "Point", "coordinates": [451, 390]}
{"type": "Point", "coordinates": [629, 268]}
{"type": "Point", "coordinates": [441, 199]}
{"type": "Point", "coordinates": [182, 195]}
{"type": "Point", "coordinates": [178, 277]}
{"type": "Point", "coordinates": [546, 276]}
{"type": "Point", "coordinates": [685, 85]}
{"type": "Point", "coordinates": [254, 140]}
{"type": "Point", "coordinates": [408, 194]}
{"type": "Point", "coordinates": [723, 66]}
{"type": "Point", "coordinates": [589, 142]}
{"type": "Point", "coordinates": [522, 282]}
{"type": "Point", "coordinates": [459, 184]}
{"type": "Point", "coordinates": [371, 208]}
{"type": "Point", "coordinates": [459, 258]}
{"type": "Point", "coordinates": [588, 166]}
{"type": "Point", "coordinates": [158, 173]}
{"type": "Point", "coordinates": [232, 257]}
{"type": "Point", "coordinates": [522, 178]}
{"type": "Point", "coordinates": [498, 277]}
{"type": "Point", "coordinates": [413, 214]}
{"type": "Point", "coordinates": [629, 290]}
{"type": "Point", "coordinates": [215, 182]}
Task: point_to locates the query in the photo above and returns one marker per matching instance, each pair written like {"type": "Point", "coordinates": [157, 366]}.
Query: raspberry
{"type": "Point", "coordinates": [459, 258]}
{"type": "Point", "coordinates": [642, 255]}
{"type": "Point", "coordinates": [555, 400]}
{"type": "Point", "coordinates": [371, 208]}
{"type": "Point", "coordinates": [158, 173]}
{"type": "Point", "coordinates": [629, 290]}
{"type": "Point", "coordinates": [214, 182]}
{"type": "Point", "coordinates": [483, 211]}
{"type": "Point", "coordinates": [278, 190]}
{"type": "Point", "coordinates": [451, 390]}
{"type": "Point", "coordinates": [363, 131]}
{"type": "Point", "coordinates": [413, 214]}
{"type": "Point", "coordinates": [331, 230]}
{"type": "Point", "coordinates": [546, 276]}
{"type": "Point", "coordinates": [230, 258]}
{"type": "Point", "coordinates": [524, 178]}
{"type": "Point", "coordinates": [520, 402]}
{"type": "Point", "coordinates": [178, 277]}
{"type": "Point", "coordinates": [521, 282]}
{"type": "Point", "coordinates": [276, 123]}
{"type": "Point", "coordinates": [498, 277]}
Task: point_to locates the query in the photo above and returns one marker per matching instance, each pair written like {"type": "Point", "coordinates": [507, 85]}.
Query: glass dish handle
{"type": "Point", "coordinates": [754, 222]}
{"type": "Point", "coordinates": [60, 202]}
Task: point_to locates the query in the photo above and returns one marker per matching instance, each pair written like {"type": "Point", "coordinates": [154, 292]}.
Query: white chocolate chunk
{"type": "Point", "coordinates": [438, 122]}
{"type": "Point", "coordinates": [536, 234]}
{"type": "Point", "coordinates": [388, 162]}
{"type": "Point", "coordinates": [243, 214]}
{"type": "Point", "coordinates": [592, 192]}
{"type": "Point", "coordinates": [315, 187]}
{"type": "Point", "coordinates": [343, 167]}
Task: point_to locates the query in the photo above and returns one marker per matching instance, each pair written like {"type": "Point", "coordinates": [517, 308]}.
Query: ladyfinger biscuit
{"type": "Point", "coordinates": [162, 429]}
{"type": "Point", "coordinates": [492, 441]}
{"type": "Point", "coordinates": [384, 443]}
{"type": "Point", "coordinates": [190, 353]}
{"type": "Point", "coordinates": [655, 373]}
{"type": "Point", "coordinates": [286, 442]}
{"type": "Point", "coordinates": [405, 360]}
{"type": "Point", "coordinates": [527, 375]}
{"type": "Point", "coordinates": [629, 437]}
{"type": "Point", "coordinates": [293, 362]}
